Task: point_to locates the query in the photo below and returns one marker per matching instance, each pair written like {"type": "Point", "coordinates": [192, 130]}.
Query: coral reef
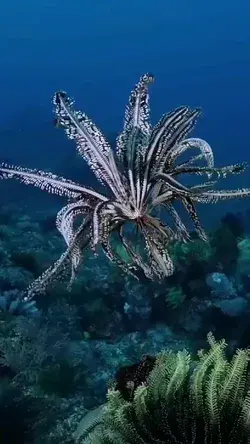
{"type": "Point", "coordinates": [65, 348]}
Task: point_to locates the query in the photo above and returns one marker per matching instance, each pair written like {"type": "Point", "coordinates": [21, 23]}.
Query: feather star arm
{"type": "Point", "coordinates": [48, 182]}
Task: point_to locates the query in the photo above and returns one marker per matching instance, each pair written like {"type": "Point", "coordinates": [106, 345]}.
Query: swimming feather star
{"type": "Point", "coordinates": [140, 177]}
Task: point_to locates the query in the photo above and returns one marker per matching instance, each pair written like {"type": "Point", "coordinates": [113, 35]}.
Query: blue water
{"type": "Point", "coordinates": [96, 50]}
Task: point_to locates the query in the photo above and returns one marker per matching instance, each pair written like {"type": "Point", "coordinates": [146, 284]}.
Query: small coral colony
{"type": "Point", "coordinates": [142, 176]}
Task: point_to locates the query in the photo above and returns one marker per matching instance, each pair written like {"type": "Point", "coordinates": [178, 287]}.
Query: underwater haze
{"type": "Point", "coordinates": [198, 51]}
{"type": "Point", "coordinates": [112, 256]}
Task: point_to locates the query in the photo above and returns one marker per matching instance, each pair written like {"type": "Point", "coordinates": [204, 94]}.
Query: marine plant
{"type": "Point", "coordinates": [183, 400]}
{"type": "Point", "coordinates": [185, 255]}
{"type": "Point", "coordinates": [175, 297]}
{"type": "Point", "coordinates": [139, 179]}
{"type": "Point", "coordinates": [23, 417]}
